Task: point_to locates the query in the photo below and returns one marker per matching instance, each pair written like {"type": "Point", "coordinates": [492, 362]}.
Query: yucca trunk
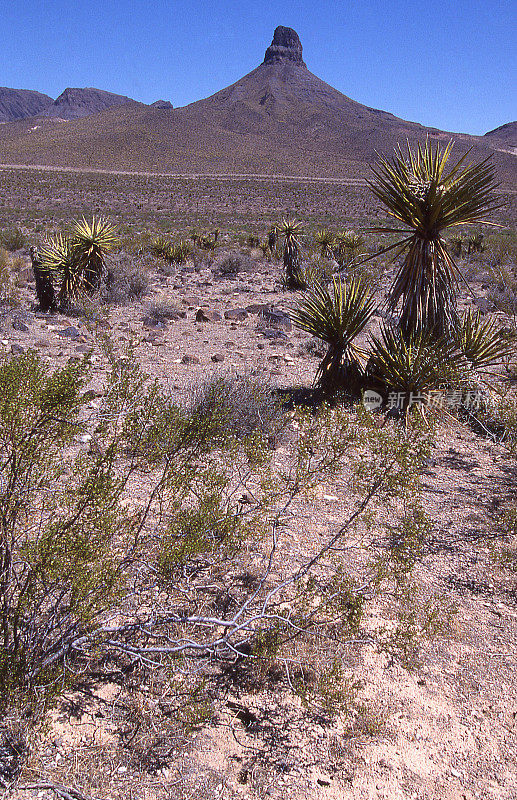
{"type": "Point", "coordinates": [425, 283]}
{"type": "Point", "coordinates": [293, 273]}
{"type": "Point", "coordinates": [337, 372]}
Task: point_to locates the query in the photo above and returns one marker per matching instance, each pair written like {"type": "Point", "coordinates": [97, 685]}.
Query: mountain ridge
{"type": "Point", "coordinates": [277, 119]}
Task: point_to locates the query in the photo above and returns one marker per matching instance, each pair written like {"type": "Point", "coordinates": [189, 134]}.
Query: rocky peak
{"type": "Point", "coordinates": [285, 47]}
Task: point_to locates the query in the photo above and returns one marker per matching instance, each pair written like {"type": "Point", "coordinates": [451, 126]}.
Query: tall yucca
{"type": "Point", "coordinates": [336, 315]}
{"type": "Point", "coordinates": [290, 231]}
{"type": "Point", "coordinates": [419, 193]}
{"type": "Point", "coordinates": [91, 242]}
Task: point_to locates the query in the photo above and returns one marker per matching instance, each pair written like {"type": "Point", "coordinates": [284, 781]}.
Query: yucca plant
{"type": "Point", "coordinates": [290, 230]}
{"type": "Point", "coordinates": [160, 246]}
{"type": "Point", "coordinates": [91, 242]}
{"type": "Point", "coordinates": [481, 341]}
{"type": "Point", "coordinates": [325, 241]}
{"type": "Point", "coordinates": [336, 315]}
{"type": "Point", "coordinates": [349, 245]}
{"type": "Point", "coordinates": [78, 261]}
{"type": "Point", "coordinates": [177, 252]}
{"type": "Point", "coordinates": [272, 238]}
{"type": "Point", "coordinates": [418, 192]}
{"type": "Point", "coordinates": [413, 364]}
{"type": "Point", "coordinates": [59, 262]}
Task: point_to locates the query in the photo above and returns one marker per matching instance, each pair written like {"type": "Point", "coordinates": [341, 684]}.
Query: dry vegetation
{"type": "Point", "coordinates": [236, 589]}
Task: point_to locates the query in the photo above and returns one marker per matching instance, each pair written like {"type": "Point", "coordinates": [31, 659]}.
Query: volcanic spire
{"type": "Point", "coordinates": [285, 47]}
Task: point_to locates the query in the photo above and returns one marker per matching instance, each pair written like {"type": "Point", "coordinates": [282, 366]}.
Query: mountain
{"type": "Point", "coordinates": [77, 103]}
{"type": "Point", "coordinates": [506, 134]}
{"type": "Point", "coordinates": [162, 104]}
{"type": "Point", "coordinates": [21, 103]}
{"type": "Point", "coordinates": [279, 119]}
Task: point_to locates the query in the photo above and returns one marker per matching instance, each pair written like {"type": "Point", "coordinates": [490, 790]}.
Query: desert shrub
{"type": "Point", "coordinates": [232, 264]}
{"type": "Point", "coordinates": [8, 292]}
{"type": "Point", "coordinates": [184, 500]}
{"type": "Point", "coordinates": [163, 312]}
{"type": "Point", "coordinates": [127, 280]}
{"type": "Point", "coordinates": [241, 404]}
{"type": "Point", "coordinates": [59, 517]}
{"type": "Point", "coordinates": [12, 239]}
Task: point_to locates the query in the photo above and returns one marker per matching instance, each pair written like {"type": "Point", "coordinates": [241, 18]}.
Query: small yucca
{"type": "Point", "coordinates": [91, 241]}
{"type": "Point", "coordinates": [336, 315]}
{"type": "Point", "coordinates": [59, 262]}
{"type": "Point", "coordinates": [416, 363]}
{"type": "Point", "coordinates": [325, 241]}
{"type": "Point", "coordinates": [481, 341]}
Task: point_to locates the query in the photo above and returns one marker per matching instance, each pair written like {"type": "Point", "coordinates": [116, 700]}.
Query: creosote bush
{"type": "Point", "coordinates": [145, 495]}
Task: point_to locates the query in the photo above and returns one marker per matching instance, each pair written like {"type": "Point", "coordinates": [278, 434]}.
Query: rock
{"type": "Point", "coordinates": [190, 300]}
{"type": "Point", "coordinates": [285, 47]}
{"type": "Point", "coordinates": [258, 308]}
{"type": "Point", "coordinates": [19, 325]}
{"type": "Point", "coordinates": [217, 358]}
{"type": "Point", "coordinates": [189, 359]}
{"type": "Point", "coordinates": [239, 314]}
{"type": "Point", "coordinates": [41, 343]}
{"type": "Point", "coordinates": [69, 333]}
{"type": "Point", "coordinates": [271, 333]}
{"type": "Point", "coordinates": [276, 318]}
{"type": "Point", "coordinates": [484, 305]}
{"type": "Point", "coordinates": [205, 315]}
{"type": "Point", "coordinates": [17, 349]}
{"type": "Point", "coordinates": [13, 752]}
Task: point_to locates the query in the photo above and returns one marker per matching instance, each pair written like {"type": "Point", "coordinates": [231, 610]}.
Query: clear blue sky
{"type": "Point", "coordinates": [444, 63]}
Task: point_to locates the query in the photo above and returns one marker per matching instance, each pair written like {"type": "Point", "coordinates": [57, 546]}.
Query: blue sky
{"type": "Point", "coordinates": [451, 65]}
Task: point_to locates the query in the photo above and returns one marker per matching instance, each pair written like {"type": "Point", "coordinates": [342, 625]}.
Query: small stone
{"type": "Point", "coordinates": [19, 325]}
{"type": "Point", "coordinates": [69, 333]}
{"type": "Point", "coordinates": [17, 349]}
{"type": "Point", "coordinates": [153, 324]}
{"type": "Point", "coordinates": [258, 308]}
{"type": "Point", "coordinates": [189, 359]}
{"type": "Point", "coordinates": [218, 357]}
{"type": "Point", "coordinates": [205, 315]}
{"type": "Point", "coordinates": [276, 318]}
{"type": "Point", "coordinates": [239, 314]}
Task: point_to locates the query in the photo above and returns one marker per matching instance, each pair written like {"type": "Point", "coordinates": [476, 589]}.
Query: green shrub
{"type": "Point", "coordinates": [8, 292]}
{"type": "Point", "coordinates": [59, 518]}
{"type": "Point", "coordinates": [12, 239]}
